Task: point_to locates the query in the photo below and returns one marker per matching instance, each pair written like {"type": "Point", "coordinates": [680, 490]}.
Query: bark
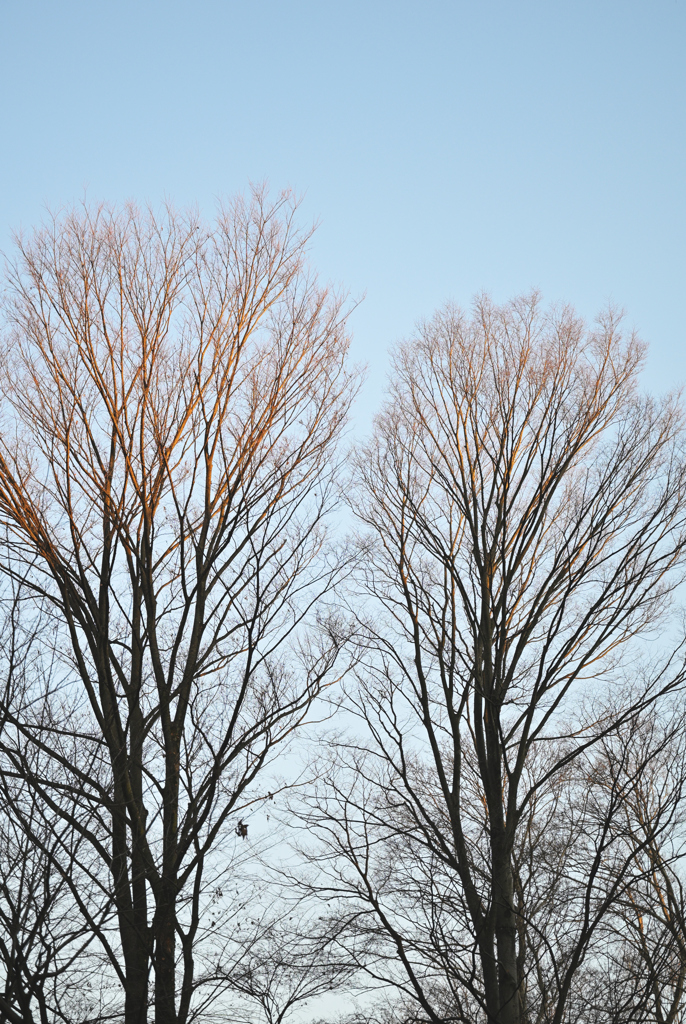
{"type": "Point", "coordinates": [165, 955]}
{"type": "Point", "coordinates": [506, 935]}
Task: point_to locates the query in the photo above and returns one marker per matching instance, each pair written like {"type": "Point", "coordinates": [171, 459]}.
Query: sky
{"type": "Point", "coordinates": [445, 148]}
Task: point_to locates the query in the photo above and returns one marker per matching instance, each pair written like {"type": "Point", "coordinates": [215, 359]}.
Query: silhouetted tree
{"type": "Point", "coordinates": [525, 513]}
{"type": "Point", "coordinates": [173, 395]}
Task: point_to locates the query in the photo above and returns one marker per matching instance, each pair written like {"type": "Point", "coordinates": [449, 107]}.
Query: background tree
{"type": "Point", "coordinates": [173, 395]}
{"type": "Point", "coordinates": [48, 971]}
{"type": "Point", "coordinates": [639, 969]}
{"type": "Point", "coordinates": [56, 907]}
{"type": "Point", "coordinates": [291, 964]}
{"type": "Point", "coordinates": [525, 515]}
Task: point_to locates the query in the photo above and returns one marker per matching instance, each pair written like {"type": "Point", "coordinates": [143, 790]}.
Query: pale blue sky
{"type": "Point", "coordinates": [446, 147]}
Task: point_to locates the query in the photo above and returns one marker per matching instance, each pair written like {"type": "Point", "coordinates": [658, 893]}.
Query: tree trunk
{"type": "Point", "coordinates": [133, 927]}
{"type": "Point", "coordinates": [139, 971]}
{"type": "Point", "coordinates": [506, 935]}
{"type": "Point", "coordinates": [165, 911]}
{"type": "Point", "coordinates": [136, 999]}
{"type": "Point", "coordinates": [165, 955]}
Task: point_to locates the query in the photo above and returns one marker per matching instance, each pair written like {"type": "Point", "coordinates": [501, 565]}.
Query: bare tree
{"type": "Point", "coordinates": [55, 899]}
{"type": "Point", "coordinates": [44, 941]}
{"type": "Point", "coordinates": [597, 873]}
{"type": "Point", "coordinates": [640, 969]}
{"type": "Point", "coordinates": [173, 395]}
{"type": "Point", "coordinates": [291, 963]}
{"type": "Point", "coordinates": [525, 515]}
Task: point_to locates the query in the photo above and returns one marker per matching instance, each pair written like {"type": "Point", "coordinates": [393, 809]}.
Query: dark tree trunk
{"type": "Point", "coordinates": [506, 935]}
{"type": "Point", "coordinates": [165, 955]}
{"type": "Point", "coordinates": [165, 911]}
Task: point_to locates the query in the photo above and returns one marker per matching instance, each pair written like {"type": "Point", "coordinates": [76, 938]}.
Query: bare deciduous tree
{"type": "Point", "coordinates": [525, 512]}
{"type": "Point", "coordinates": [172, 398]}
{"type": "Point", "coordinates": [44, 941]}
